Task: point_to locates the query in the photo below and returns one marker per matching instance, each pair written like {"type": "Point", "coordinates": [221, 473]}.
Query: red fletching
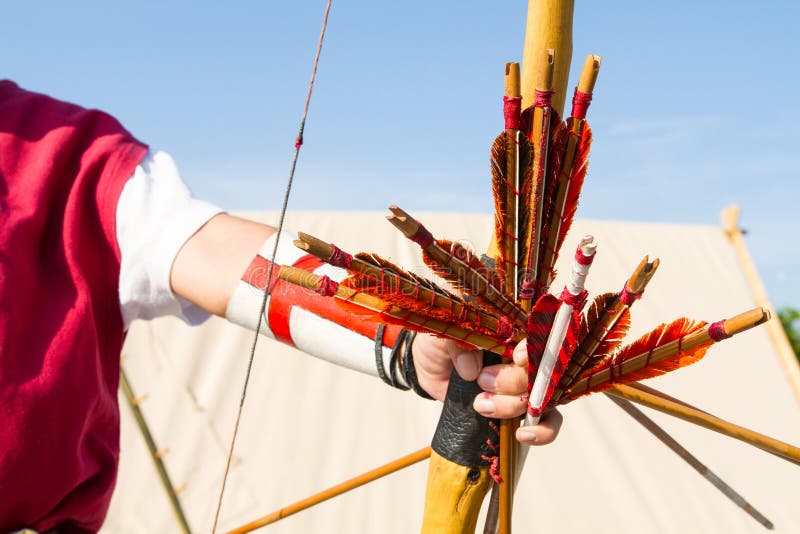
{"type": "Point", "coordinates": [391, 268]}
{"type": "Point", "coordinates": [417, 294]}
{"type": "Point", "coordinates": [509, 223]}
{"type": "Point", "coordinates": [558, 136]}
{"type": "Point", "coordinates": [593, 314]}
{"type": "Point", "coordinates": [459, 252]}
{"type": "Point", "coordinates": [577, 174]}
{"type": "Point", "coordinates": [475, 278]}
{"type": "Point", "coordinates": [500, 188]}
{"type": "Point", "coordinates": [658, 337]}
{"type": "Point", "coordinates": [598, 335]}
{"type": "Point", "coordinates": [526, 120]}
{"type": "Point", "coordinates": [462, 268]}
{"type": "Point", "coordinates": [564, 357]}
{"type": "Point", "coordinates": [355, 309]}
{"type": "Point", "coordinates": [412, 303]}
{"type": "Point", "coordinates": [591, 330]}
{"type": "Point", "coordinates": [613, 338]}
{"type": "Point", "coordinates": [646, 344]}
{"type": "Point", "coordinates": [540, 322]}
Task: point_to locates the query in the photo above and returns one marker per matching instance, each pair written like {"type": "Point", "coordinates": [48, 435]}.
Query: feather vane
{"type": "Point", "coordinates": [509, 197]}
{"type": "Point", "coordinates": [594, 327]}
{"type": "Point", "coordinates": [417, 294]}
{"type": "Point", "coordinates": [454, 263]}
{"type": "Point", "coordinates": [611, 368]}
{"type": "Point", "coordinates": [577, 174]}
{"type": "Point", "coordinates": [540, 322]}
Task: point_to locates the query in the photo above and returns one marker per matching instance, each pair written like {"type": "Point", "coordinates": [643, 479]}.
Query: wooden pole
{"type": "Point", "coordinates": [548, 39]}
{"type": "Point", "coordinates": [786, 355]}
{"type": "Point", "coordinates": [322, 496]}
{"type": "Point", "coordinates": [549, 26]}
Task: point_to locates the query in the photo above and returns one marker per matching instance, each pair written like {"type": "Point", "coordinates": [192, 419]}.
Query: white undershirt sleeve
{"type": "Point", "coordinates": [156, 215]}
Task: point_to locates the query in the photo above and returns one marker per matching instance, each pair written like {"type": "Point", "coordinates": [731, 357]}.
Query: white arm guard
{"type": "Point", "coordinates": [313, 323]}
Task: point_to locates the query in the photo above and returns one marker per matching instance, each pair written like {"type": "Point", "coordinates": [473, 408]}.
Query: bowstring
{"type": "Point", "coordinates": [268, 287]}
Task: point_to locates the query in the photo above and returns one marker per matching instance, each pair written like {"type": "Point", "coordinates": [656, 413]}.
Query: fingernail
{"type": "Point", "coordinates": [526, 435]}
{"type": "Point", "coordinates": [484, 406]}
{"type": "Point", "coordinates": [466, 366]}
{"type": "Point", "coordinates": [487, 381]}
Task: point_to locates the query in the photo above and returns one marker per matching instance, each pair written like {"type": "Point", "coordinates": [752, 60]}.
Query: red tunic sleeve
{"type": "Point", "coordinates": [62, 169]}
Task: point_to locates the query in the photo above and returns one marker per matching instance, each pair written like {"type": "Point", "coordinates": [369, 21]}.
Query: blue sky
{"type": "Point", "coordinates": [694, 108]}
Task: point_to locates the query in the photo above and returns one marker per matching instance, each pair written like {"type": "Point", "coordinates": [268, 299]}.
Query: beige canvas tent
{"type": "Point", "coordinates": [308, 425]}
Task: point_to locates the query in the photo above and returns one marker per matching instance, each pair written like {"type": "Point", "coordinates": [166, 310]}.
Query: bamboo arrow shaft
{"type": "Point", "coordinates": [403, 285]}
{"type": "Point", "coordinates": [587, 346]}
{"type": "Point", "coordinates": [322, 496]}
{"type": "Point", "coordinates": [690, 459]}
{"type": "Point", "coordinates": [475, 282]}
{"type": "Point", "coordinates": [586, 85]}
{"type": "Point", "coordinates": [389, 311]}
{"type": "Point", "coordinates": [693, 415]}
{"type": "Point", "coordinates": [733, 326]}
{"type": "Point", "coordinates": [540, 138]}
{"type": "Point", "coordinates": [509, 426]}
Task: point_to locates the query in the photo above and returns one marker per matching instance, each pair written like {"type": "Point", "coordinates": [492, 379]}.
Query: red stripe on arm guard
{"type": "Point", "coordinates": [284, 296]}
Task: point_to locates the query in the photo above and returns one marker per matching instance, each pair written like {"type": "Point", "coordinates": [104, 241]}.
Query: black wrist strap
{"type": "Point", "coordinates": [398, 364]}
{"type": "Point", "coordinates": [389, 378]}
{"type": "Point", "coordinates": [409, 371]}
{"type": "Point", "coordinates": [394, 361]}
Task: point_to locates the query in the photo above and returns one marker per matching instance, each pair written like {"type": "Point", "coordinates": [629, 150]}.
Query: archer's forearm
{"type": "Point", "coordinates": [209, 265]}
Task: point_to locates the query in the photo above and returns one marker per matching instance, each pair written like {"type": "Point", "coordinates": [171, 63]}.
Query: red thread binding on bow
{"type": "Point", "coordinates": [493, 459]}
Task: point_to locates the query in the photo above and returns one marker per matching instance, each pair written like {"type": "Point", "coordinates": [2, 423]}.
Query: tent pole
{"type": "Point", "coordinates": [172, 494]}
{"type": "Point", "coordinates": [786, 355]}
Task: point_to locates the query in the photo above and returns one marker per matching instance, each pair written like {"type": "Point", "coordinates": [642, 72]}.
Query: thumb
{"type": "Point", "coordinates": [468, 363]}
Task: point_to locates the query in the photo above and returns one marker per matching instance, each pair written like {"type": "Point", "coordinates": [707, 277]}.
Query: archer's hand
{"type": "Point", "coordinates": [505, 385]}
{"type": "Point", "coordinates": [434, 358]}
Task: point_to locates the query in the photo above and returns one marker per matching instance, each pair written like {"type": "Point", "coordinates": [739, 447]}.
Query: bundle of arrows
{"type": "Point", "coordinates": [538, 166]}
